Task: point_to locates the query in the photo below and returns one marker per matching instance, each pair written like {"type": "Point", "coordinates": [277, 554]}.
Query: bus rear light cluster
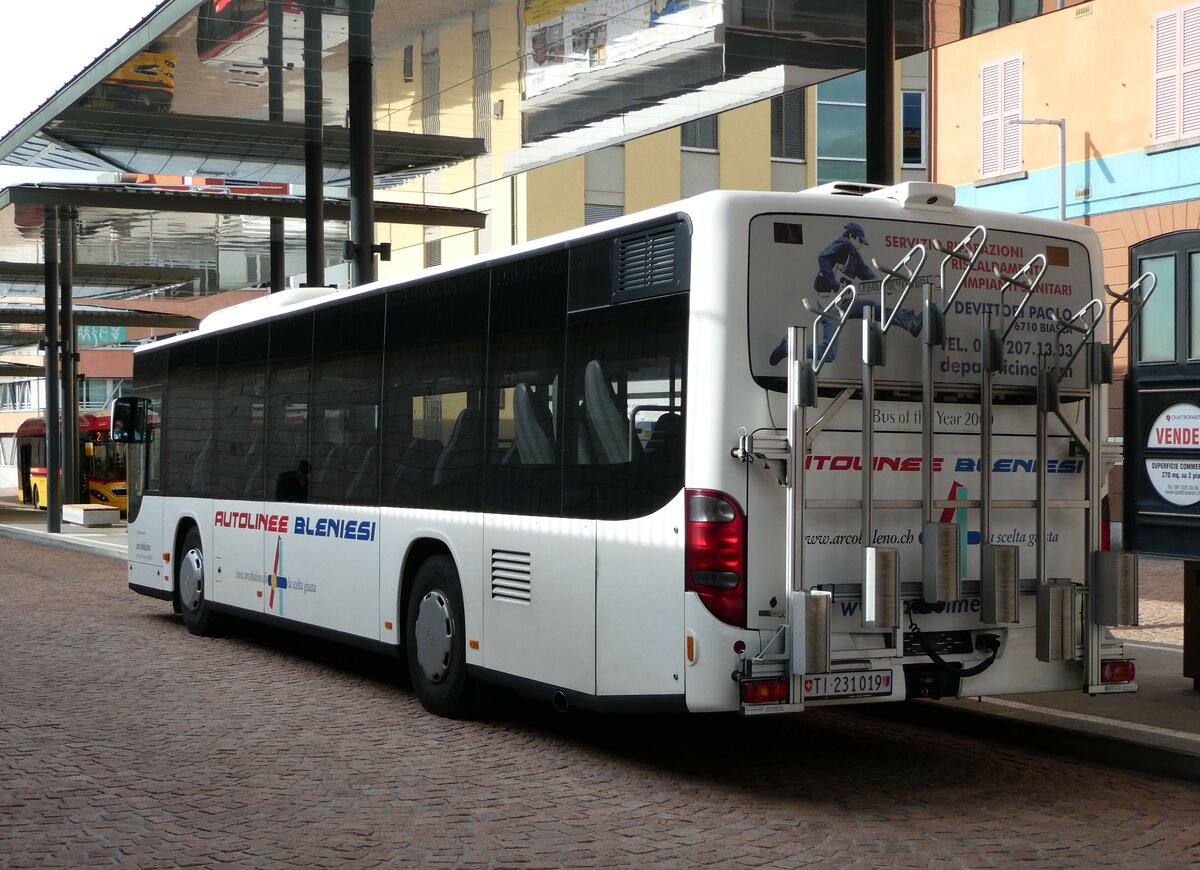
{"type": "Point", "coordinates": [1117, 672]}
{"type": "Point", "coordinates": [715, 562]}
{"type": "Point", "coordinates": [774, 691]}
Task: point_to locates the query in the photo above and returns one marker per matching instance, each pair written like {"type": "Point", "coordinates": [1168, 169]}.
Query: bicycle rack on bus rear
{"type": "Point", "coordinates": [802, 644]}
{"type": "Point", "coordinates": [881, 581]}
{"type": "Point", "coordinates": [1108, 595]}
{"type": "Point", "coordinates": [999, 564]}
{"type": "Point", "coordinates": [941, 574]}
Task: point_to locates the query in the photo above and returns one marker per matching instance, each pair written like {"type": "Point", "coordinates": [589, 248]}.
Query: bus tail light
{"type": "Point", "coordinates": [764, 691]}
{"type": "Point", "coordinates": [1117, 672]}
{"type": "Point", "coordinates": [715, 562]}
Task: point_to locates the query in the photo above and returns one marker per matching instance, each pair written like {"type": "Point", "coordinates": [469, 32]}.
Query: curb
{"type": "Point", "coordinates": [1100, 749]}
{"type": "Point", "coordinates": [62, 542]}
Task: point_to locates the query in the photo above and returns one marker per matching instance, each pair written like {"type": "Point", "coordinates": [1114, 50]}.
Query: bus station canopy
{"type": "Point", "coordinates": [189, 90]}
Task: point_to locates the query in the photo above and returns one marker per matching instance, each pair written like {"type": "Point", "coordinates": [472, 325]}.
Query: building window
{"type": "Point", "coordinates": [981, 15]}
{"type": "Point", "coordinates": [1168, 330]}
{"type": "Point", "coordinates": [700, 134]}
{"type": "Point", "coordinates": [16, 396]}
{"type": "Point", "coordinates": [595, 212]}
{"type": "Point", "coordinates": [98, 393]}
{"type": "Point", "coordinates": [431, 97]}
{"type": "Point", "coordinates": [912, 138]}
{"type": "Point", "coordinates": [842, 129]}
{"type": "Point", "coordinates": [482, 95]}
{"type": "Point", "coordinates": [433, 247]}
{"type": "Point", "coordinates": [1177, 74]}
{"type": "Point", "coordinates": [1000, 138]}
{"type": "Point", "coordinates": [787, 125]}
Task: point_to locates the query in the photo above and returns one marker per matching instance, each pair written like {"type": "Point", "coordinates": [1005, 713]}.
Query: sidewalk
{"type": "Point", "coordinates": [25, 523]}
{"type": "Point", "coordinates": [1155, 730]}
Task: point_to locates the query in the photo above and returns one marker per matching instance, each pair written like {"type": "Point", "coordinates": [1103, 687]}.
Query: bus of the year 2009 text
{"type": "Point", "coordinates": [622, 467]}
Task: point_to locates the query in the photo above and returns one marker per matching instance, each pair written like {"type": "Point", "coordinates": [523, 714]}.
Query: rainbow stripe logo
{"type": "Point", "coordinates": [276, 580]}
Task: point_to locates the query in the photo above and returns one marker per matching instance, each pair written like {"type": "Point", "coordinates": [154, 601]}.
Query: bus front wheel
{"type": "Point", "coordinates": [197, 615]}
{"type": "Point", "coordinates": [37, 501]}
{"type": "Point", "coordinates": [435, 641]}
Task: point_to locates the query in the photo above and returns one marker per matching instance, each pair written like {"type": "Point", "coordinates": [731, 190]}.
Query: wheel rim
{"type": "Point", "coordinates": [434, 636]}
{"type": "Point", "coordinates": [191, 579]}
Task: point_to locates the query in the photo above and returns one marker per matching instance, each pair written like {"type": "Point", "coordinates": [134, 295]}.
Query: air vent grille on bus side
{"type": "Point", "coordinates": [647, 263]}
{"type": "Point", "coordinates": [511, 579]}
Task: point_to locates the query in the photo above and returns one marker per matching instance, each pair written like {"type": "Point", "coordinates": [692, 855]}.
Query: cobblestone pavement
{"type": "Point", "coordinates": [124, 740]}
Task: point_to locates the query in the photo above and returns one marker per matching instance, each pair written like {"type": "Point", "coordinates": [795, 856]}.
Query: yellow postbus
{"type": "Point", "coordinates": [102, 462]}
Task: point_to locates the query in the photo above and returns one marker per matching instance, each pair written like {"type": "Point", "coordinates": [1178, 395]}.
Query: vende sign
{"type": "Point", "coordinates": [1177, 427]}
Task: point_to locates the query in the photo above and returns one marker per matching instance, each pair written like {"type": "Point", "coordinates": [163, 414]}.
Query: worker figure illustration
{"type": "Point", "coordinates": [839, 264]}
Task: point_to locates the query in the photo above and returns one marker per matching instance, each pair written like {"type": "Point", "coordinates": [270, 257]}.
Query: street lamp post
{"type": "Point", "coordinates": [1061, 124]}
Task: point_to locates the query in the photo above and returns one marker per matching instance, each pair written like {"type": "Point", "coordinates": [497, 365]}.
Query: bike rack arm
{"type": "Point", "coordinates": [1028, 284]}
{"type": "Point", "coordinates": [839, 319]}
{"type": "Point", "coordinates": [1134, 309]}
{"type": "Point", "coordinates": [956, 253]}
{"type": "Point", "coordinates": [908, 277]}
{"type": "Point", "coordinates": [1086, 329]}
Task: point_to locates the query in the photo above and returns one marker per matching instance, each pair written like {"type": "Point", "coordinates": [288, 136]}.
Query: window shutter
{"type": "Point", "coordinates": [990, 129]}
{"type": "Point", "coordinates": [1166, 77]}
{"type": "Point", "coordinates": [1190, 73]}
{"type": "Point", "coordinates": [787, 125]}
{"type": "Point", "coordinates": [1011, 110]}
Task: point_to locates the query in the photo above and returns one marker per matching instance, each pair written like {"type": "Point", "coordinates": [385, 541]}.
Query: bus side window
{"type": "Point", "coordinates": [624, 426]}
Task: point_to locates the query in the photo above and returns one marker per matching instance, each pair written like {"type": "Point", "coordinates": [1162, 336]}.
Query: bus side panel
{"type": "Point", "coordinates": [147, 568]}
{"type": "Point", "coordinates": [329, 562]}
{"type": "Point", "coordinates": [710, 688]}
{"type": "Point", "coordinates": [539, 601]}
{"type": "Point", "coordinates": [640, 640]}
{"type": "Point", "coordinates": [462, 535]}
{"type": "Point", "coordinates": [236, 576]}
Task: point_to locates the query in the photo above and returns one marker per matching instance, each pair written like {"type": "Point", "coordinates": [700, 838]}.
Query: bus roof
{"type": "Point", "coordinates": [918, 200]}
{"type": "Point", "coordinates": [88, 422]}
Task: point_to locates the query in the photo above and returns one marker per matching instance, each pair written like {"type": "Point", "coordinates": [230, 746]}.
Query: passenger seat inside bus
{"type": "Point", "coordinates": [531, 417]}
{"type": "Point", "coordinates": [461, 455]}
{"type": "Point", "coordinates": [414, 475]}
{"type": "Point", "coordinates": [607, 422]}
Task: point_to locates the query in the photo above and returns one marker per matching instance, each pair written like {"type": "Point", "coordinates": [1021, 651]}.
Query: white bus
{"type": "Point", "coordinates": [602, 470]}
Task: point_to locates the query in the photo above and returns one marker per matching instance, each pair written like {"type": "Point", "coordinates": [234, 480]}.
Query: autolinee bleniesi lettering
{"type": "Point", "coordinates": [315, 527]}
{"type": "Point", "coordinates": [247, 520]}
{"type": "Point", "coordinates": [327, 527]}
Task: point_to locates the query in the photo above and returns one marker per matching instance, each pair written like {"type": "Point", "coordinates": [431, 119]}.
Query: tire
{"type": "Point", "coordinates": [37, 501]}
{"type": "Point", "coordinates": [189, 586]}
{"type": "Point", "coordinates": [435, 641]}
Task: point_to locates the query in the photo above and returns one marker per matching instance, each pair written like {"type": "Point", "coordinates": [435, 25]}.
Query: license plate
{"type": "Point", "coordinates": [849, 684]}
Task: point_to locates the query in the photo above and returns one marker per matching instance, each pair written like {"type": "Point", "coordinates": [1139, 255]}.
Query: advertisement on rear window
{"type": "Point", "coordinates": [794, 258]}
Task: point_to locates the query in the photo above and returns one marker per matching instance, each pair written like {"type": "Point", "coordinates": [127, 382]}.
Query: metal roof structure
{"type": "Point", "coordinates": [241, 148]}
{"type": "Point", "coordinates": [111, 198]}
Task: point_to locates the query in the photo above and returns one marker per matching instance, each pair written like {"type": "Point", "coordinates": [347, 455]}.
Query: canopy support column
{"type": "Point", "coordinates": [50, 348]}
{"type": "Point", "coordinates": [881, 91]}
{"type": "Point", "coordinates": [362, 145]}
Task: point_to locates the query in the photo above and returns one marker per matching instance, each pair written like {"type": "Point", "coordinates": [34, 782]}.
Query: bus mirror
{"type": "Point", "coordinates": [129, 419]}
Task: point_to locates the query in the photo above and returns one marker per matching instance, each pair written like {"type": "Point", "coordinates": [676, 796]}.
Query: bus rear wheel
{"type": "Point", "coordinates": [37, 501]}
{"type": "Point", "coordinates": [435, 640]}
{"type": "Point", "coordinates": [189, 583]}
